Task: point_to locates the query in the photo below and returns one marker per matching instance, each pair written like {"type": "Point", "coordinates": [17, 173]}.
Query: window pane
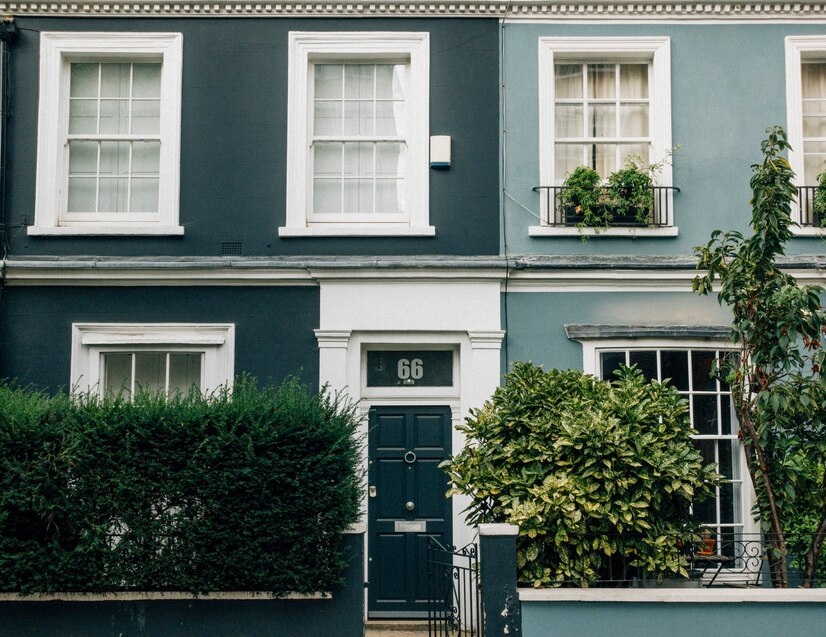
{"type": "Point", "coordinates": [634, 120]}
{"type": "Point", "coordinates": [387, 196]}
{"type": "Point", "coordinates": [601, 81]}
{"type": "Point", "coordinates": [143, 195]}
{"type": "Point", "coordinates": [566, 158]}
{"type": "Point", "coordinates": [568, 81]}
{"type": "Point", "coordinates": [701, 364]}
{"type": "Point", "coordinates": [84, 80]}
{"type": "Point", "coordinates": [635, 151]}
{"type": "Point", "coordinates": [358, 196]}
{"type": "Point", "coordinates": [114, 79]}
{"type": "Point", "coordinates": [82, 193]}
{"type": "Point", "coordinates": [328, 81]}
{"type": "Point", "coordinates": [327, 118]}
{"type": "Point", "coordinates": [358, 159]}
{"type": "Point", "coordinates": [705, 414]}
{"type": "Point", "coordinates": [112, 194]}
{"type": "Point", "coordinates": [603, 158]}
{"type": "Point", "coordinates": [146, 158]}
{"type": "Point", "coordinates": [813, 77]}
{"type": "Point", "coordinates": [184, 372]}
{"type": "Point", "coordinates": [150, 371]}
{"type": "Point", "coordinates": [114, 158]}
{"type": "Point", "coordinates": [390, 118]}
{"type": "Point", "coordinates": [359, 81]}
{"type": "Point", "coordinates": [114, 117]}
{"type": "Point", "coordinates": [83, 116]}
{"type": "Point", "coordinates": [390, 81]}
{"type": "Point", "coordinates": [611, 362]}
{"type": "Point", "coordinates": [568, 120]}
{"type": "Point", "coordinates": [814, 164]}
{"type": "Point", "coordinates": [675, 366]}
{"type": "Point", "coordinates": [326, 196]}
{"type": "Point", "coordinates": [726, 415]}
{"type": "Point", "coordinates": [359, 118]}
{"type": "Point", "coordinates": [602, 121]}
{"type": "Point", "coordinates": [388, 156]}
{"type": "Point", "coordinates": [633, 81]}
{"type": "Point", "coordinates": [117, 372]}
{"type": "Point", "coordinates": [146, 80]}
{"type": "Point", "coordinates": [646, 361]}
{"type": "Point", "coordinates": [83, 158]}
{"type": "Point", "coordinates": [327, 158]}
{"type": "Point", "coordinates": [146, 117]}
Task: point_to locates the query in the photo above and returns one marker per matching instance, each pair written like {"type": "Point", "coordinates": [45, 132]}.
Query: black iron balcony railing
{"type": "Point", "coordinates": [561, 214]}
{"type": "Point", "coordinates": [725, 557]}
{"type": "Point", "coordinates": [805, 198]}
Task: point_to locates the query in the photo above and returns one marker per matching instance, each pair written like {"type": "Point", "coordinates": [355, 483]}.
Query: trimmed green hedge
{"type": "Point", "coordinates": [248, 490]}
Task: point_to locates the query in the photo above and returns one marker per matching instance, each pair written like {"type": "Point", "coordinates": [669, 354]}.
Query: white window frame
{"type": "Point", "coordinates": [591, 350]}
{"type": "Point", "coordinates": [91, 340]}
{"type": "Point", "coordinates": [57, 51]}
{"type": "Point", "coordinates": [798, 48]}
{"type": "Point", "coordinates": [657, 51]}
{"type": "Point", "coordinates": [306, 48]}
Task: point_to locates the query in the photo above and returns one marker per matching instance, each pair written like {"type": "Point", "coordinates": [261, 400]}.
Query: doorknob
{"type": "Point", "coordinates": [372, 492]}
{"type": "Point", "coordinates": [410, 506]}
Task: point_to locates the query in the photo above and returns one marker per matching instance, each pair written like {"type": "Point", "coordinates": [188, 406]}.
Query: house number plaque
{"type": "Point", "coordinates": [410, 368]}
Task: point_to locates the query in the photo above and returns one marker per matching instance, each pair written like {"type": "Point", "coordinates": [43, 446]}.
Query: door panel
{"type": "Point", "coordinates": [406, 445]}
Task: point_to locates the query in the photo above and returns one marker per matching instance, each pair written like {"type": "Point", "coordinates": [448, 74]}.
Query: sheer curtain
{"type": "Point", "coordinates": [813, 77]}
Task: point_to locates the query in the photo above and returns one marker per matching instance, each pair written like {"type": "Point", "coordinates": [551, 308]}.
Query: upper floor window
{"type": "Point", "coordinates": [601, 101]}
{"type": "Point", "coordinates": [108, 134]}
{"type": "Point", "coordinates": [806, 111]}
{"type": "Point", "coordinates": [358, 134]}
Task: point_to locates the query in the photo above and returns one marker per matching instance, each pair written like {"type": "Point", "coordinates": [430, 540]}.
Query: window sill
{"type": "Point", "coordinates": [808, 231]}
{"type": "Point", "coordinates": [550, 231]}
{"type": "Point", "coordinates": [96, 230]}
{"type": "Point", "coordinates": [357, 230]}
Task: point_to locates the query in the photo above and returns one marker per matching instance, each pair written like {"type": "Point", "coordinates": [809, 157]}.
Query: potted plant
{"type": "Point", "coordinates": [626, 196]}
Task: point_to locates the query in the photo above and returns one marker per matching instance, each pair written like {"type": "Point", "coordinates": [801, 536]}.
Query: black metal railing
{"type": "Point", "coordinates": [560, 213]}
{"type": "Point", "coordinates": [805, 199]}
{"type": "Point", "coordinates": [454, 598]}
{"type": "Point", "coordinates": [724, 557]}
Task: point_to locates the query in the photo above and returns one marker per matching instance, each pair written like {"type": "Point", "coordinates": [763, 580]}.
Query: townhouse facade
{"type": "Point", "coordinates": [367, 195]}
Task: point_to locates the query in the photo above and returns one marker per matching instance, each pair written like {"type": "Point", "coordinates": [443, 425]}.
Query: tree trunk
{"type": "Point", "coordinates": [759, 470]}
{"type": "Point", "coordinates": [813, 556]}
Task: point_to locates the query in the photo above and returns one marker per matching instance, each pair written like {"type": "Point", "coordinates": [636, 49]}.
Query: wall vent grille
{"type": "Point", "coordinates": [231, 249]}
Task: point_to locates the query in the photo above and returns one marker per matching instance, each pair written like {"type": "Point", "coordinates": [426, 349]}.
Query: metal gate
{"type": "Point", "coordinates": [454, 606]}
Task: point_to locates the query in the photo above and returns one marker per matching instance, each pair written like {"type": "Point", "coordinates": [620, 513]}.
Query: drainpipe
{"type": "Point", "coordinates": [8, 36]}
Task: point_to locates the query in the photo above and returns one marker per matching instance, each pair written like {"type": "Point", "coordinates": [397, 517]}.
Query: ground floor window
{"type": "Point", "coordinates": [710, 409]}
{"type": "Point", "coordinates": [167, 357]}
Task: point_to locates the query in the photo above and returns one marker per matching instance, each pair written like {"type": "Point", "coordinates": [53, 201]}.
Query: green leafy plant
{"type": "Point", "coordinates": [819, 201]}
{"type": "Point", "coordinates": [776, 378]}
{"type": "Point", "coordinates": [626, 194]}
{"type": "Point", "coordinates": [248, 489]}
{"type": "Point", "coordinates": [592, 472]}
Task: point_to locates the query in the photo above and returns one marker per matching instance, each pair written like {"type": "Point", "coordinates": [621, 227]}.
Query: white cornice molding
{"type": "Point", "coordinates": [514, 10]}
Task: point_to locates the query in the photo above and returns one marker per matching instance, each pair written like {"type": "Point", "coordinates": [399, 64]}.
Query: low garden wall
{"type": "Point", "coordinates": [674, 612]}
{"type": "Point", "coordinates": [339, 613]}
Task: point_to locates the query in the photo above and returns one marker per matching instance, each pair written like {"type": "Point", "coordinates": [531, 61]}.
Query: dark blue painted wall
{"type": "Point", "coordinates": [234, 136]}
{"type": "Point", "coordinates": [273, 326]}
{"type": "Point", "coordinates": [340, 616]}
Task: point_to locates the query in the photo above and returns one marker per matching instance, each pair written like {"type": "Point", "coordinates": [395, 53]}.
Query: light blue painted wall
{"type": "Point", "coordinates": [728, 85]}
{"type": "Point", "coordinates": [579, 619]}
{"type": "Point", "coordinates": [535, 320]}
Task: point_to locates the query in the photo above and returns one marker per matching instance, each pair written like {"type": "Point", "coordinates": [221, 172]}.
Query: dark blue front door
{"type": "Point", "coordinates": [406, 505]}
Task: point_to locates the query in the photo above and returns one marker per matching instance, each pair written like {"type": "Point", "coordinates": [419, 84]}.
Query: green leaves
{"type": "Point", "coordinates": [576, 462]}
{"type": "Point", "coordinates": [241, 490]}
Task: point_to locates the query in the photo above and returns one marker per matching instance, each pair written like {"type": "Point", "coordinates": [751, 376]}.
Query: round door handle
{"type": "Point", "coordinates": [410, 506]}
{"type": "Point", "coordinates": [410, 457]}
